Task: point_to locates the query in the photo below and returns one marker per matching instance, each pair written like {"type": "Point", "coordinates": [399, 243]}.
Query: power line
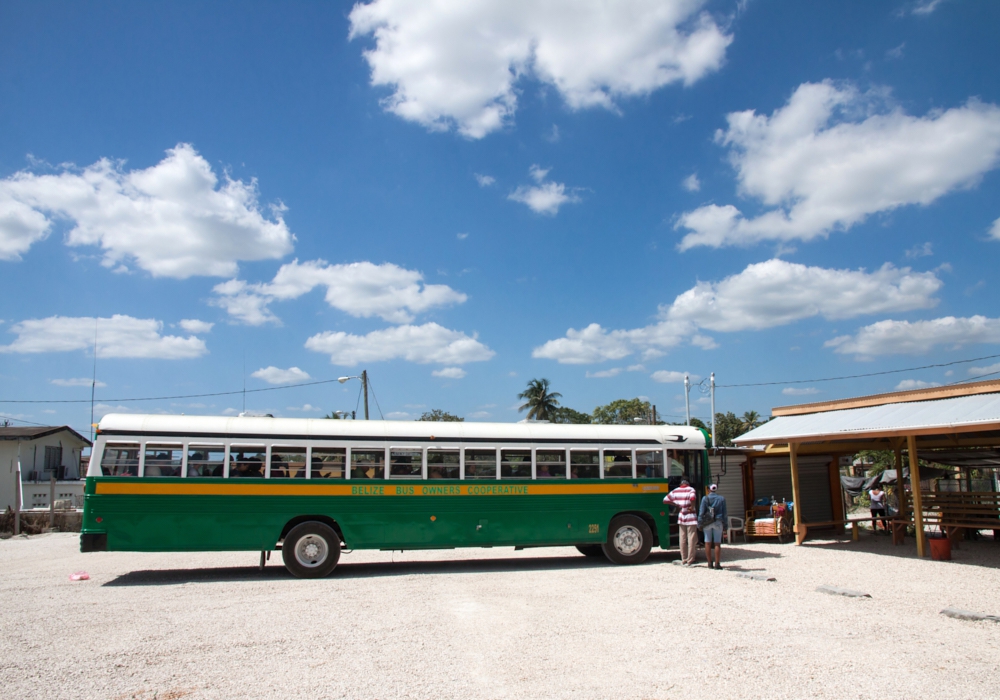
{"type": "Point", "coordinates": [869, 374]}
{"type": "Point", "coordinates": [179, 396]}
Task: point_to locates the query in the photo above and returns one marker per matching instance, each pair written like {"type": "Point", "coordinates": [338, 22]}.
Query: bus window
{"type": "Point", "coordinates": [367, 464]}
{"type": "Point", "coordinates": [163, 460]}
{"type": "Point", "coordinates": [120, 459]}
{"type": "Point", "coordinates": [328, 463]}
{"type": "Point", "coordinates": [617, 464]}
{"type": "Point", "coordinates": [245, 461]}
{"type": "Point", "coordinates": [585, 464]}
{"type": "Point", "coordinates": [443, 464]}
{"type": "Point", "coordinates": [649, 465]}
{"type": "Point", "coordinates": [288, 462]}
{"type": "Point", "coordinates": [515, 464]}
{"type": "Point", "coordinates": [406, 464]}
{"type": "Point", "coordinates": [206, 460]}
{"type": "Point", "coordinates": [682, 463]}
{"type": "Point", "coordinates": [550, 464]}
{"type": "Point", "coordinates": [480, 464]}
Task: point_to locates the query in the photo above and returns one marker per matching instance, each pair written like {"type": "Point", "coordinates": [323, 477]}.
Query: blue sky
{"type": "Point", "coordinates": [460, 197]}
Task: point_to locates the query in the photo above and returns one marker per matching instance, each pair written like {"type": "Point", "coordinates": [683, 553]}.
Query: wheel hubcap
{"type": "Point", "coordinates": [311, 551]}
{"type": "Point", "coordinates": [628, 540]}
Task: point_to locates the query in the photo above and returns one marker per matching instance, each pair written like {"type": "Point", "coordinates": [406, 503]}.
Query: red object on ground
{"type": "Point", "coordinates": [940, 549]}
{"type": "Point", "coordinates": [79, 576]}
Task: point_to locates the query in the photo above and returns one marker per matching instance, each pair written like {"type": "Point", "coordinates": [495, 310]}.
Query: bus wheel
{"type": "Point", "coordinates": [590, 550]}
{"type": "Point", "coordinates": [629, 540]}
{"type": "Point", "coordinates": [311, 550]}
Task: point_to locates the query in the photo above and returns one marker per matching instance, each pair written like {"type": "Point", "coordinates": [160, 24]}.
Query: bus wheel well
{"type": "Point", "coordinates": [648, 519]}
{"type": "Point", "coordinates": [299, 519]}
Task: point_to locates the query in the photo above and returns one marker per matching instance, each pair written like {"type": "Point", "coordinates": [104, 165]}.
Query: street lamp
{"type": "Point", "coordinates": [364, 384]}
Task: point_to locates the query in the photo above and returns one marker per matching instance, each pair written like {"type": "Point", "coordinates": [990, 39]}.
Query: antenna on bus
{"type": "Point", "coordinates": [93, 385]}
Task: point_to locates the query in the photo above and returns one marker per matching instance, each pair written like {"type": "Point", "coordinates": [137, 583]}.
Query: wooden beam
{"type": "Point", "coordinates": [800, 531]}
{"type": "Point", "coordinates": [837, 492]}
{"type": "Point", "coordinates": [933, 394]}
{"type": "Point", "coordinates": [897, 453]}
{"type": "Point", "coordinates": [860, 435]}
{"type": "Point", "coordinates": [918, 505]}
{"type": "Point", "coordinates": [939, 440]}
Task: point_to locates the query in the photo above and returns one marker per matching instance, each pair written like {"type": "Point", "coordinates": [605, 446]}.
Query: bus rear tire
{"type": "Point", "coordinates": [311, 550]}
{"type": "Point", "coordinates": [591, 550]}
{"type": "Point", "coordinates": [629, 540]}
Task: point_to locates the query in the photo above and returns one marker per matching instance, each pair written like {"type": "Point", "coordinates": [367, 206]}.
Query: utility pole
{"type": "Point", "coordinates": [364, 384]}
{"type": "Point", "coordinates": [714, 446]}
{"type": "Point", "coordinates": [654, 415]}
{"type": "Point", "coordinates": [687, 398]}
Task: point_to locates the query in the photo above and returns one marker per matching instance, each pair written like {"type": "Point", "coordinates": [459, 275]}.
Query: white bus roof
{"type": "Point", "coordinates": [118, 424]}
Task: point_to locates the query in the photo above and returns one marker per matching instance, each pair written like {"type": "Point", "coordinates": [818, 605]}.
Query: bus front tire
{"type": "Point", "coordinates": [591, 550]}
{"type": "Point", "coordinates": [311, 550]}
{"type": "Point", "coordinates": [629, 540]}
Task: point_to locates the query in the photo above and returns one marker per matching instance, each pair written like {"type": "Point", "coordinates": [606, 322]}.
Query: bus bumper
{"type": "Point", "coordinates": [94, 542]}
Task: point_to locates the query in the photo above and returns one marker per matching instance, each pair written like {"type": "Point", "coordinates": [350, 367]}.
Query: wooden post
{"type": "Point", "coordinates": [900, 495]}
{"type": "Point", "coordinates": [800, 530]}
{"type": "Point", "coordinates": [918, 504]}
{"type": "Point", "coordinates": [52, 500]}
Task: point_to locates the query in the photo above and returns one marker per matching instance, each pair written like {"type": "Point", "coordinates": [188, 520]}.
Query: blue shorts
{"type": "Point", "coordinates": [713, 533]}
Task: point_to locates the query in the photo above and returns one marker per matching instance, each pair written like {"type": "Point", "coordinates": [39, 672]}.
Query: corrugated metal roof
{"type": "Point", "coordinates": [946, 414]}
{"type": "Point", "coordinates": [32, 433]}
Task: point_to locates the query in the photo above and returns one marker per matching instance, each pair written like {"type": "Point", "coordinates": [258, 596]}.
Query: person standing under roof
{"type": "Point", "coordinates": [684, 497]}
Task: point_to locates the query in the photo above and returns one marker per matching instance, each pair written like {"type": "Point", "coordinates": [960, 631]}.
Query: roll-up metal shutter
{"type": "Point", "coordinates": [730, 483]}
{"type": "Point", "coordinates": [772, 476]}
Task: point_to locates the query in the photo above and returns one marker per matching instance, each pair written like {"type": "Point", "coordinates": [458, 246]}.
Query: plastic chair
{"type": "Point", "coordinates": [735, 525]}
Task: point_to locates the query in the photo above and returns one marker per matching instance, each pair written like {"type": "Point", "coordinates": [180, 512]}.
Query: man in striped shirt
{"type": "Point", "coordinates": [685, 497]}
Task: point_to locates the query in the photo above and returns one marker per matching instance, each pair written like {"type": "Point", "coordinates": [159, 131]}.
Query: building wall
{"type": "Point", "coordinates": [772, 476]}
{"type": "Point", "coordinates": [32, 452]}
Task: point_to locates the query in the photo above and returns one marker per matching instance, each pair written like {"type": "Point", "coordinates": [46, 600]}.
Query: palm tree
{"type": "Point", "coordinates": [540, 402]}
{"type": "Point", "coordinates": [749, 421]}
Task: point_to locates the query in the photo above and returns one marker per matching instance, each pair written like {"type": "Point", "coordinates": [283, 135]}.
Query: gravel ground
{"type": "Point", "coordinates": [495, 623]}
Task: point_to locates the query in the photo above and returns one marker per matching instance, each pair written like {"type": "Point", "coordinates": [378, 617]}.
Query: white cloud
{"type": "Point", "coordinates": [449, 373]}
{"type": "Point", "coordinates": [980, 371]}
{"type": "Point", "coordinates": [118, 336]}
{"type": "Point", "coordinates": [195, 326]}
{"type": "Point", "coordinates": [306, 408]}
{"type": "Point", "coordinates": [399, 415]}
{"type": "Point", "coordinates": [485, 180]}
{"type": "Point", "coordinates": [922, 250]}
{"type": "Point", "coordinates": [545, 197]}
{"type": "Point", "coordinates": [276, 375]}
{"type": "Point", "coordinates": [925, 7]}
{"type": "Point", "coordinates": [172, 219]}
{"type": "Point", "coordinates": [461, 236]}
{"type": "Point", "coordinates": [995, 230]}
{"type": "Point", "coordinates": [819, 166]}
{"type": "Point", "coordinates": [79, 381]}
{"type": "Point", "coordinates": [797, 391]}
{"type": "Point", "coordinates": [360, 289]}
{"type": "Point", "coordinates": [764, 295]}
{"type": "Point", "coordinates": [636, 368]}
{"type": "Point", "coordinates": [421, 344]}
{"type": "Point", "coordinates": [457, 64]}
{"type": "Point", "coordinates": [691, 183]}
{"type": "Point", "coordinates": [605, 373]}
{"type": "Point", "coordinates": [777, 292]}
{"type": "Point", "coordinates": [480, 415]}
{"type": "Point", "coordinates": [908, 384]}
{"type": "Point", "coordinates": [906, 338]}
{"type": "Point", "coordinates": [666, 376]}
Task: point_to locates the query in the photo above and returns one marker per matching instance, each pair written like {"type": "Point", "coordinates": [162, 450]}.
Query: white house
{"type": "Point", "coordinates": [42, 452]}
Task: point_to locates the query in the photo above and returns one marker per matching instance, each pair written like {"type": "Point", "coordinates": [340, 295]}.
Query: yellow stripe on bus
{"type": "Point", "coordinates": [139, 488]}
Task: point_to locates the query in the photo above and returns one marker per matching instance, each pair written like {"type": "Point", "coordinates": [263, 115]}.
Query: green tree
{"type": "Point", "coordinates": [749, 421]}
{"type": "Point", "coordinates": [538, 400]}
{"type": "Point", "coordinates": [333, 416]}
{"type": "Point", "coordinates": [436, 414]}
{"type": "Point", "coordinates": [880, 460]}
{"type": "Point", "coordinates": [624, 412]}
{"type": "Point", "coordinates": [727, 427]}
{"type": "Point", "coordinates": [699, 423]}
{"type": "Point", "coordinates": [565, 414]}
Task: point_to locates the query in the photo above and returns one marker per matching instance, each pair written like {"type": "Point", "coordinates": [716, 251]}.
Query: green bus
{"type": "Point", "coordinates": [314, 487]}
